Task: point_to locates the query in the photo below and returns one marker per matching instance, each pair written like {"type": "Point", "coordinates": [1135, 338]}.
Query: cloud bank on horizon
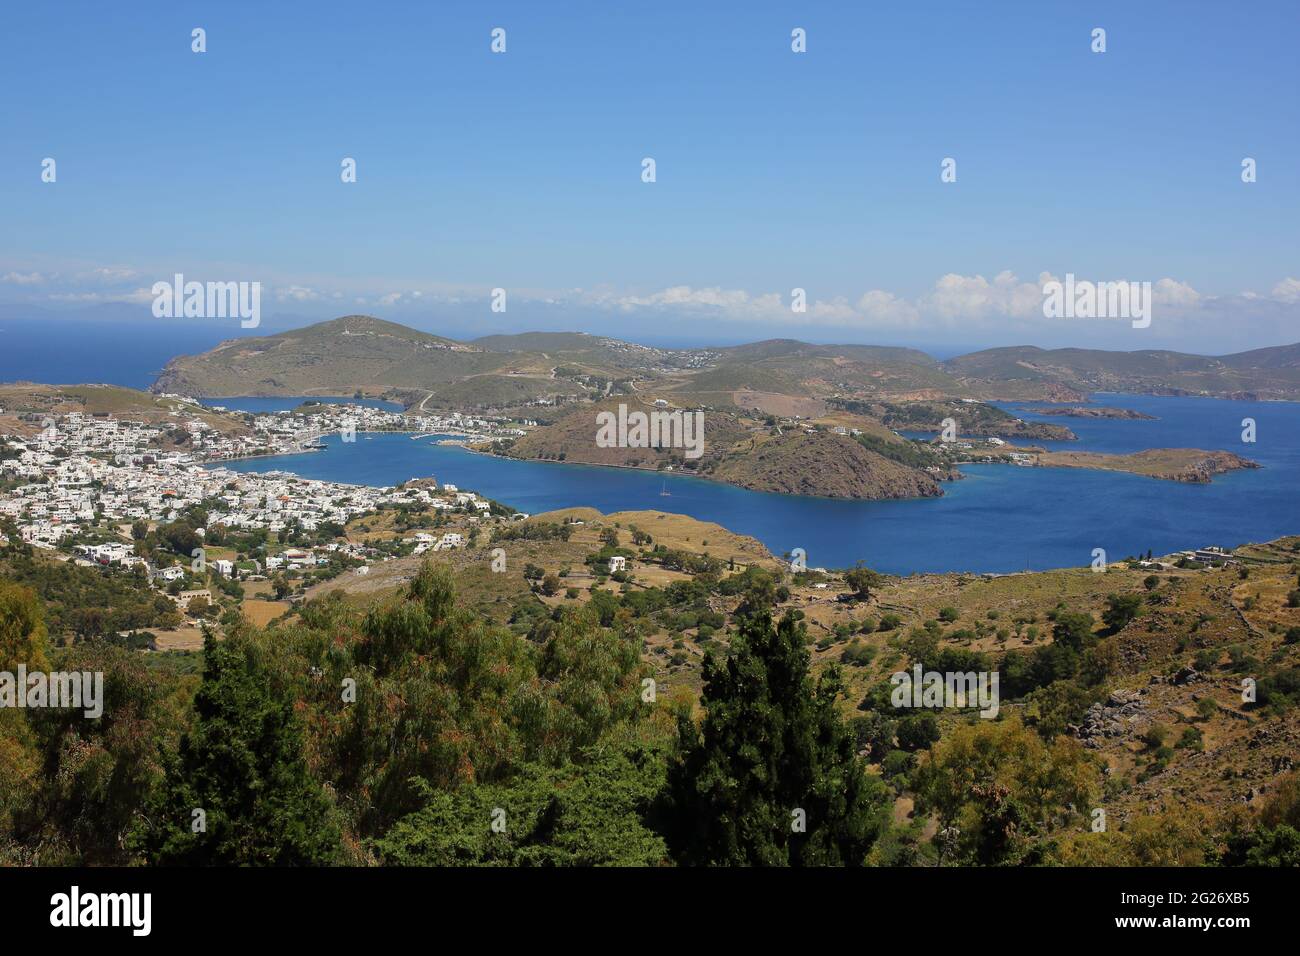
{"type": "Point", "coordinates": [959, 309]}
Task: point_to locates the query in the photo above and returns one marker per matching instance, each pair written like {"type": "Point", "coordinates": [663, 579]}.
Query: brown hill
{"type": "Point", "coordinates": [573, 438]}
{"type": "Point", "coordinates": [823, 464]}
{"type": "Point", "coordinates": [354, 353]}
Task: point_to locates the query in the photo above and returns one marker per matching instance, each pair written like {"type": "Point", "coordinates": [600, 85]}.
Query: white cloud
{"type": "Point", "coordinates": [1288, 290]}
{"type": "Point", "coordinates": [713, 301]}
{"type": "Point", "coordinates": [110, 274]}
{"type": "Point", "coordinates": [297, 293]}
{"type": "Point", "coordinates": [958, 297]}
{"type": "Point", "coordinates": [837, 311]}
{"type": "Point", "coordinates": [885, 308]}
{"type": "Point", "coordinates": [972, 304]}
{"type": "Point", "coordinates": [962, 306]}
{"type": "Point", "coordinates": [23, 278]}
{"type": "Point", "coordinates": [1175, 293]}
{"type": "Point", "coordinates": [77, 297]}
{"type": "Point", "coordinates": [137, 295]}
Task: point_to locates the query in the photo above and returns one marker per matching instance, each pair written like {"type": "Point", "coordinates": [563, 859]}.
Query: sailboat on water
{"type": "Point", "coordinates": [664, 492]}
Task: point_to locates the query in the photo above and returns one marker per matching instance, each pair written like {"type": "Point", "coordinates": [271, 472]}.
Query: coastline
{"type": "Point", "coordinates": [305, 451]}
{"type": "Point", "coordinates": [1038, 463]}
{"type": "Point", "coordinates": [946, 534]}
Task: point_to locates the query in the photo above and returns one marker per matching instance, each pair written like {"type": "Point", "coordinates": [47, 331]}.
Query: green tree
{"type": "Point", "coordinates": [998, 786]}
{"type": "Point", "coordinates": [874, 732]}
{"type": "Point", "coordinates": [1120, 609]}
{"type": "Point", "coordinates": [772, 753]}
{"type": "Point", "coordinates": [1277, 847]}
{"type": "Point", "coordinates": [1073, 629]}
{"type": "Point", "coordinates": [98, 774]}
{"type": "Point", "coordinates": [1182, 836]}
{"type": "Point", "coordinates": [242, 765]}
{"type": "Point", "coordinates": [22, 641]}
{"type": "Point", "coordinates": [862, 580]}
{"type": "Point", "coordinates": [590, 813]}
{"type": "Point", "coordinates": [180, 538]}
{"type": "Point", "coordinates": [917, 732]}
{"type": "Point", "coordinates": [22, 628]}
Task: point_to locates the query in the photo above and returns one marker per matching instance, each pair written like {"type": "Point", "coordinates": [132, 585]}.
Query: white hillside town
{"type": "Point", "coordinates": [65, 487]}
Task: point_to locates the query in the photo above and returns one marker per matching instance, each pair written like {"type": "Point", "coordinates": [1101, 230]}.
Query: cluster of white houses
{"type": "Point", "coordinates": [1212, 555]}
{"type": "Point", "coordinates": [272, 433]}
{"type": "Point", "coordinates": [82, 472]}
{"type": "Point", "coordinates": [448, 541]}
{"type": "Point", "coordinates": [291, 431]}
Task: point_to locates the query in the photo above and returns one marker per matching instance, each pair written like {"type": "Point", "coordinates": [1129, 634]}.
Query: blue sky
{"type": "Point", "coordinates": [775, 170]}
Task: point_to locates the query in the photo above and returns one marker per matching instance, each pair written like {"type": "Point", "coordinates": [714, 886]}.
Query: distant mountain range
{"type": "Point", "coordinates": [358, 353]}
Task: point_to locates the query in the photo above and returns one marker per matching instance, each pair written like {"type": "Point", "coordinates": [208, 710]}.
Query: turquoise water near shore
{"type": "Point", "coordinates": [999, 518]}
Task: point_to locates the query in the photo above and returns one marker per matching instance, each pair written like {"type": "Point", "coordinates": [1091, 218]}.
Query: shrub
{"type": "Point", "coordinates": [917, 732]}
{"type": "Point", "coordinates": [1120, 610]}
{"type": "Point", "coordinates": [1156, 736]}
{"type": "Point", "coordinates": [896, 763]}
{"type": "Point", "coordinates": [858, 654]}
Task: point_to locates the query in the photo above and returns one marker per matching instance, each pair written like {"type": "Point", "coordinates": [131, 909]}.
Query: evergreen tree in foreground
{"type": "Point", "coordinates": [771, 745]}
{"type": "Point", "coordinates": [242, 765]}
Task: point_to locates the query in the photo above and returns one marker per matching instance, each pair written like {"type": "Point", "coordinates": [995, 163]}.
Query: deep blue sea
{"type": "Point", "coordinates": [1000, 518]}
{"type": "Point", "coordinates": [115, 352]}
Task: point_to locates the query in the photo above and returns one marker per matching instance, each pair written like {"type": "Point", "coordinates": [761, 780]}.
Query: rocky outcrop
{"type": "Point", "coordinates": [1201, 470]}
{"type": "Point", "coordinates": [1121, 716]}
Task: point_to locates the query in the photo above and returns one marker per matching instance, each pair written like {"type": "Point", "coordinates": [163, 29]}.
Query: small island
{"type": "Point", "coordinates": [1190, 465]}
{"type": "Point", "coordinates": [1094, 411]}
